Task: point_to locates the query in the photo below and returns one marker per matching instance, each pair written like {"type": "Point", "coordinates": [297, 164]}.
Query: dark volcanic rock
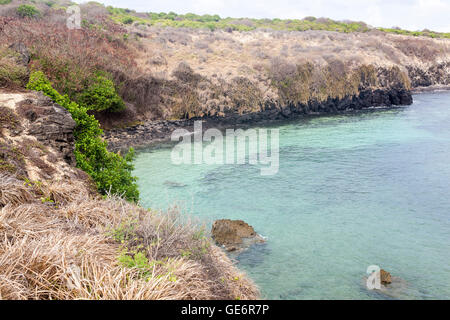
{"type": "Point", "coordinates": [52, 125]}
{"type": "Point", "coordinates": [436, 74]}
{"type": "Point", "coordinates": [160, 130]}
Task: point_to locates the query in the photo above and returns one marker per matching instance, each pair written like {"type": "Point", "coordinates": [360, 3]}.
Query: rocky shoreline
{"type": "Point", "coordinates": [152, 132]}
{"type": "Point", "coordinates": [432, 88]}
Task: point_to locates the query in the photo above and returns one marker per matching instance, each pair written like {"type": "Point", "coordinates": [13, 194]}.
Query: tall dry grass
{"type": "Point", "coordinates": [69, 248]}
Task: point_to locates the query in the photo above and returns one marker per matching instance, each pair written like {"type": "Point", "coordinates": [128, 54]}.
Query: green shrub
{"type": "Point", "coordinates": [27, 11]}
{"type": "Point", "coordinates": [101, 95]}
{"type": "Point", "coordinates": [128, 20]}
{"type": "Point", "coordinates": [215, 22]}
{"type": "Point", "coordinates": [5, 1]}
{"type": "Point", "coordinates": [110, 171]}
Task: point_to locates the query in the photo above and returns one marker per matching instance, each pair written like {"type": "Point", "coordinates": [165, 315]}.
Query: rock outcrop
{"type": "Point", "coordinates": [51, 124]}
{"type": "Point", "coordinates": [36, 137]}
{"type": "Point", "coordinates": [234, 234]}
{"type": "Point", "coordinates": [425, 77]}
{"type": "Point", "coordinates": [385, 277]}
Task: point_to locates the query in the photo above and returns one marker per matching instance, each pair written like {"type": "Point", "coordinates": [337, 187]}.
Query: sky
{"type": "Point", "coordinates": [407, 14]}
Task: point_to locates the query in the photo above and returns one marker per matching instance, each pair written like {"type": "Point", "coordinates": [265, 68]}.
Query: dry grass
{"type": "Point", "coordinates": [60, 240]}
{"type": "Point", "coordinates": [271, 65]}
{"type": "Point", "coordinates": [69, 249]}
{"type": "Point", "coordinates": [224, 60]}
{"type": "Point", "coordinates": [174, 73]}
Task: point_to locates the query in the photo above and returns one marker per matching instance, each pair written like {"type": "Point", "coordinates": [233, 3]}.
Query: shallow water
{"type": "Point", "coordinates": [352, 191]}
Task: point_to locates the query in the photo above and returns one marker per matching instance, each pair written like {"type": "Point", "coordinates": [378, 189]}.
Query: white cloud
{"type": "Point", "coordinates": [408, 14]}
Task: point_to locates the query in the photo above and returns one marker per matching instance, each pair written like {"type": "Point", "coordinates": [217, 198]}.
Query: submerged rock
{"type": "Point", "coordinates": [391, 286]}
{"type": "Point", "coordinates": [174, 184]}
{"type": "Point", "coordinates": [234, 234]}
{"type": "Point", "coordinates": [396, 289]}
{"type": "Point", "coordinates": [253, 256]}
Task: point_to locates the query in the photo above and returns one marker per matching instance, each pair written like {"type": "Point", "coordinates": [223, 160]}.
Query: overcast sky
{"type": "Point", "coordinates": [407, 14]}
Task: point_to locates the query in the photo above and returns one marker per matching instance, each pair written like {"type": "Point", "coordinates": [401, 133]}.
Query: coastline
{"type": "Point", "coordinates": [432, 88]}
{"type": "Point", "coordinates": [159, 131]}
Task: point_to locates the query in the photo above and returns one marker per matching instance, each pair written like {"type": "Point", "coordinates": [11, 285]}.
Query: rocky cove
{"type": "Point", "coordinates": [80, 220]}
{"type": "Point", "coordinates": [152, 132]}
{"type": "Point", "coordinates": [354, 189]}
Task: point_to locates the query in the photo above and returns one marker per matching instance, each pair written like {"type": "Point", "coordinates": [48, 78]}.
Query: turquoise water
{"type": "Point", "coordinates": [352, 191]}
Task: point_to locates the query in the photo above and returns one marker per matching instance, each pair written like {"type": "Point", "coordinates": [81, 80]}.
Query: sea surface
{"type": "Point", "coordinates": [354, 190]}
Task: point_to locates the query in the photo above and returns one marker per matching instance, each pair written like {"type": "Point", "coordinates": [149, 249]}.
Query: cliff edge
{"type": "Point", "coordinates": [62, 240]}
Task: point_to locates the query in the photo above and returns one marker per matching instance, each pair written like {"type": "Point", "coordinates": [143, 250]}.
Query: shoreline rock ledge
{"type": "Point", "coordinates": [234, 235]}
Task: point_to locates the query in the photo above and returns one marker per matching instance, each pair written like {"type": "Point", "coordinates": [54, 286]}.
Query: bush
{"type": "Point", "coordinates": [27, 11]}
{"type": "Point", "coordinates": [184, 73]}
{"type": "Point", "coordinates": [11, 72]}
{"type": "Point", "coordinates": [101, 95]}
{"type": "Point", "coordinates": [128, 20]}
{"type": "Point", "coordinates": [110, 171]}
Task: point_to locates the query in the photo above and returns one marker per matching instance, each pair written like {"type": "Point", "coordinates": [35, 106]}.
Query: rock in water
{"type": "Point", "coordinates": [385, 277]}
{"type": "Point", "coordinates": [232, 233]}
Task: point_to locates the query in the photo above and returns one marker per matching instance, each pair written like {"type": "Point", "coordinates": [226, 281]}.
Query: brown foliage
{"type": "Point", "coordinates": [184, 73]}
{"type": "Point", "coordinates": [69, 57]}
{"type": "Point", "coordinates": [419, 48]}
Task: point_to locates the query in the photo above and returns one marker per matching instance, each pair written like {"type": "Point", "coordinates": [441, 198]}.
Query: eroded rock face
{"type": "Point", "coordinates": [435, 74]}
{"type": "Point", "coordinates": [234, 234]}
{"type": "Point", "coordinates": [51, 124]}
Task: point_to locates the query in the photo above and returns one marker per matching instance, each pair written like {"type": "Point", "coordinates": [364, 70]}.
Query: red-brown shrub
{"type": "Point", "coordinates": [70, 57]}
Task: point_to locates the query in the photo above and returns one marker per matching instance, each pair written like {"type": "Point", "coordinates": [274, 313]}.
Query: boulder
{"type": "Point", "coordinates": [385, 277]}
{"type": "Point", "coordinates": [232, 234]}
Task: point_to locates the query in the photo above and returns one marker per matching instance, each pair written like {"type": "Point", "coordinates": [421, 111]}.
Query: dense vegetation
{"type": "Point", "coordinates": [110, 171]}
{"type": "Point", "coordinates": [214, 22]}
{"type": "Point", "coordinates": [101, 95]}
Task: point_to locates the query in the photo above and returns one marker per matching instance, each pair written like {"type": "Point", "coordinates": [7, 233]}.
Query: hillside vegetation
{"type": "Point", "coordinates": [170, 66]}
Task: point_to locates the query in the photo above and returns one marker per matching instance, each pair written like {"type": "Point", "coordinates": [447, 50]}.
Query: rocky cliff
{"type": "Point", "coordinates": [36, 137]}
{"type": "Point", "coordinates": [168, 74]}
{"type": "Point", "coordinates": [61, 240]}
{"type": "Point", "coordinates": [241, 78]}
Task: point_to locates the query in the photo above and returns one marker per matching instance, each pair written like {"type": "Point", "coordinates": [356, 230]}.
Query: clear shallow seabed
{"type": "Point", "coordinates": [352, 191]}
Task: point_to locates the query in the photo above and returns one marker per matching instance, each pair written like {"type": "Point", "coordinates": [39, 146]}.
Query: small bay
{"type": "Point", "coordinates": [353, 190]}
